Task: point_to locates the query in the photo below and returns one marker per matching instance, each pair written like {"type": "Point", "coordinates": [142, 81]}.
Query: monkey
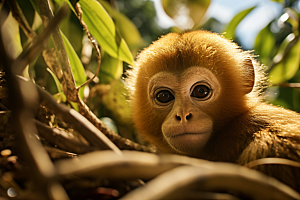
{"type": "Point", "coordinates": [199, 94]}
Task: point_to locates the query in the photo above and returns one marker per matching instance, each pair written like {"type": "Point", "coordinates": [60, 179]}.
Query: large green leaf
{"type": "Point", "coordinates": [186, 13]}
{"type": "Point", "coordinates": [126, 28]}
{"type": "Point", "coordinates": [288, 65]}
{"type": "Point", "coordinates": [76, 65]}
{"type": "Point", "coordinates": [100, 25]}
{"type": "Point", "coordinates": [264, 45]}
{"type": "Point", "coordinates": [230, 30]}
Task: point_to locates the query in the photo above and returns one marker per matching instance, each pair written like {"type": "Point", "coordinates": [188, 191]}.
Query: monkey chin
{"type": "Point", "coordinates": [189, 144]}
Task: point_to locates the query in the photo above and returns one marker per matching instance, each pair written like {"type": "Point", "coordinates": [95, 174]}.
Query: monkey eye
{"type": "Point", "coordinates": [164, 96]}
{"type": "Point", "coordinates": [201, 91]}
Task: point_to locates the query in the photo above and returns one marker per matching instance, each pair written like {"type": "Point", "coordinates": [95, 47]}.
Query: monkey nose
{"type": "Point", "coordinates": [186, 117]}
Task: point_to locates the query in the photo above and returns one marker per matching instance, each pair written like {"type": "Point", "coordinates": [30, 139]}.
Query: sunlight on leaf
{"type": "Point", "coordinates": [126, 28]}
{"type": "Point", "coordinates": [124, 53]}
{"type": "Point", "coordinates": [265, 45]}
{"type": "Point", "coordinates": [100, 25]}
{"type": "Point", "coordinates": [288, 66]}
{"type": "Point", "coordinates": [187, 14]}
{"type": "Point", "coordinates": [230, 30]}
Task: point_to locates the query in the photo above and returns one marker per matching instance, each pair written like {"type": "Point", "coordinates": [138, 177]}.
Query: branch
{"type": "Point", "coordinates": [81, 124]}
{"type": "Point", "coordinates": [289, 85]}
{"type": "Point", "coordinates": [23, 98]}
{"type": "Point", "coordinates": [64, 69]}
{"type": "Point", "coordinates": [31, 53]}
{"type": "Point", "coordinates": [62, 139]}
{"type": "Point", "coordinates": [122, 143]}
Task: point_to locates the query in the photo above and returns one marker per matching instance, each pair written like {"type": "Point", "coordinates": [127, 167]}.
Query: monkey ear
{"type": "Point", "coordinates": [249, 75]}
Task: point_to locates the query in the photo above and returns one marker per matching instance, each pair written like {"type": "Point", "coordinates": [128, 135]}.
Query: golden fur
{"type": "Point", "coordinates": [245, 128]}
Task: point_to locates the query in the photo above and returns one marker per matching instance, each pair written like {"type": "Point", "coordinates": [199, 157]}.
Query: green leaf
{"type": "Point", "coordinates": [264, 45]}
{"type": "Point", "coordinates": [11, 36]}
{"type": "Point", "coordinates": [76, 65]}
{"type": "Point", "coordinates": [127, 30]}
{"type": "Point", "coordinates": [186, 13]}
{"type": "Point", "coordinates": [124, 52]}
{"type": "Point", "coordinates": [288, 66]}
{"type": "Point", "coordinates": [60, 96]}
{"type": "Point", "coordinates": [111, 69]}
{"type": "Point", "coordinates": [230, 30]}
{"type": "Point", "coordinates": [100, 25]}
{"type": "Point", "coordinates": [279, 1]}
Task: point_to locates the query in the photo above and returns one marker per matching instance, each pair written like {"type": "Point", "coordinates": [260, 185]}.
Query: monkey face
{"type": "Point", "coordinates": [186, 98]}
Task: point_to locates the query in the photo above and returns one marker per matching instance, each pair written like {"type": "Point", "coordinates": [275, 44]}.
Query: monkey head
{"type": "Point", "coordinates": [187, 88]}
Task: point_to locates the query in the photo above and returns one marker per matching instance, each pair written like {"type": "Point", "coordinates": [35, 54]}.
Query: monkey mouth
{"type": "Point", "coordinates": [183, 134]}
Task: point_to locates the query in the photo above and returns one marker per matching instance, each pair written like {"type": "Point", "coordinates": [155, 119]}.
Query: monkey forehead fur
{"type": "Point", "coordinates": [178, 51]}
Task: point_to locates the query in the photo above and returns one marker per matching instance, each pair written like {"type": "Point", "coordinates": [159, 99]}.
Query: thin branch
{"type": "Point", "coordinates": [288, 85]}
{"type": "Point", "coordinates": [31, 53]}
{"type": "Point", "coordinates": [92, 40]}
{"type": "Point", "coordinates": [273, 161]}
{"type": "Point", "coordinates": [18, 15]}
{"type": "Point", "coordinates": [58, 154]}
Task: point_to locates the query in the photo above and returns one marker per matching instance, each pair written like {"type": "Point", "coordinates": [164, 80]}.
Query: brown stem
{"type": "Point", "coordinates": [64, 70]}
{"type": "Point", "coordinates": [92, 40]}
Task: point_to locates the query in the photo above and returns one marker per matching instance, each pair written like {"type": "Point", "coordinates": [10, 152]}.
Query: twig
{"type": "Point", "coordinates": [92, 40]}
{"type": "Point", "coordinates": [272, 161]}
{"type": "Point", "coordinates": [31, 53]}
{"type": "Point", "coordinates": [18, 15]}
{"type": "Point", "coordinates": [288, 85]}
{"type": "Point", "coordinates": [58, 154]}
{"type": "Point", "coordinates": [64, 69]}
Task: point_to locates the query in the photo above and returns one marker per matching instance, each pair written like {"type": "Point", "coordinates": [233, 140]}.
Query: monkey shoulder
{"type": "Point", "coordinates": [277, 134]}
